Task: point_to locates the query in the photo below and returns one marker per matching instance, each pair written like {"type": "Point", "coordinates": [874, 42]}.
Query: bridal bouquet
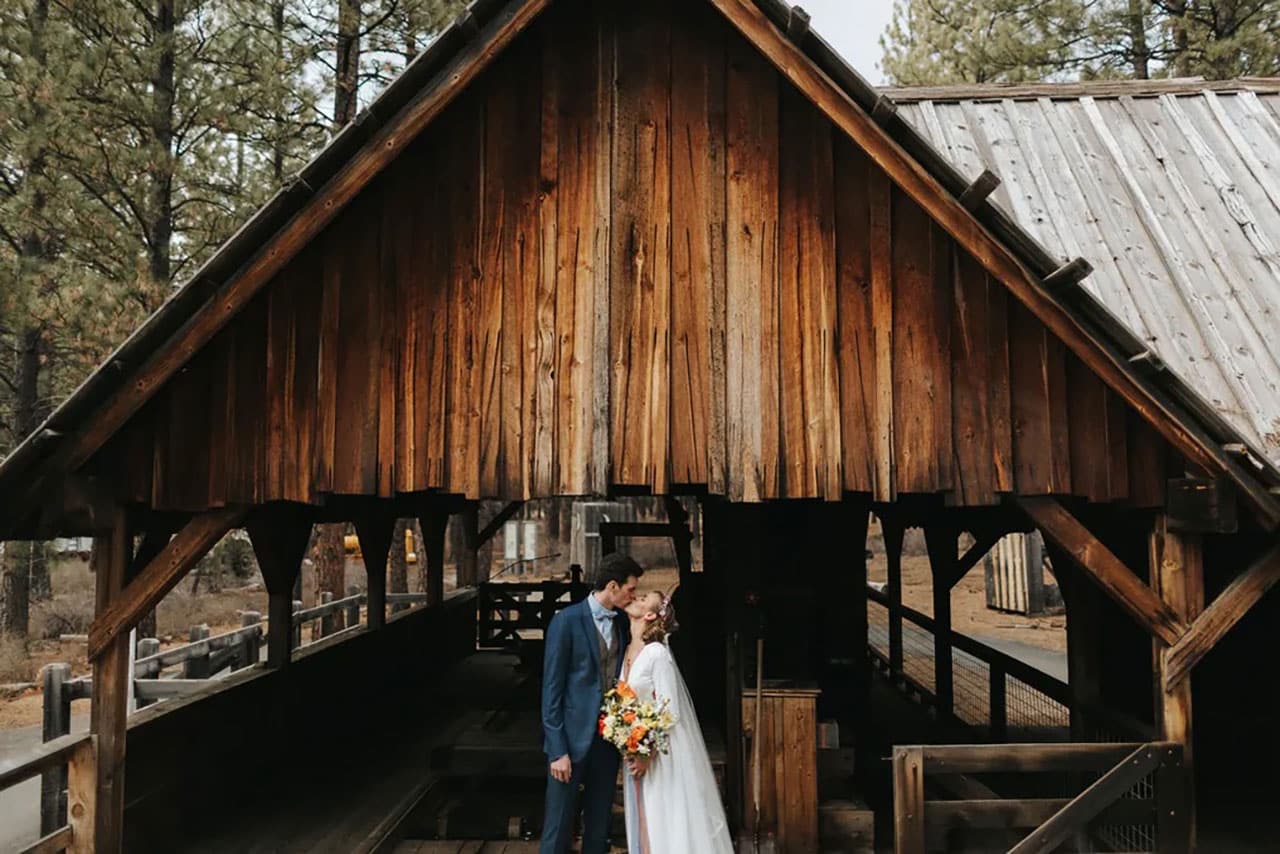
{"type": "Point", "coordinates": [636, 728]}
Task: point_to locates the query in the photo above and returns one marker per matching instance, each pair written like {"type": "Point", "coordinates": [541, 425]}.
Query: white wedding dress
{"type": "Point", "coordinates": [677, 796]}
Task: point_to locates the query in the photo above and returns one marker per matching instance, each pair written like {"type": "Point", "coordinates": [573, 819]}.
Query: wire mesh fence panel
{"type": "Point", "coordinates": [1031, 708]}
{"type": "Point", "coordinates": [971, 683]}
{"type": "Point", "coordinates": [917, 656]}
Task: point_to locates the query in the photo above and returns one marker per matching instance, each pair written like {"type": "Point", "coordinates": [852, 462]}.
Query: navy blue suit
{"type": "Point", "coordinates": [571, 695]}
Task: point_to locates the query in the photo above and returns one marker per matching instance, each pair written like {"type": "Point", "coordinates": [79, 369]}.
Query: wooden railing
{"type": "Point", "coordinates": [1117, 784]}
{"type": "Point", "coordinates": [991, 690]}
{"type": "Point", "coordinates": [507, 609]}
{"type": "Point", "coordinates": [200, 660]}
{"type": "Point", "coordinates": [77, 753]}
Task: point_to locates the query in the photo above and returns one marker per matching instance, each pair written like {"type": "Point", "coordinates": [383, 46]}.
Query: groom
{"type": "Point", "coordinates": [585, 644]}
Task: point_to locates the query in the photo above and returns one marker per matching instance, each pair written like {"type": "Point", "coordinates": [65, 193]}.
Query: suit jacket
{"type": "Point", "coordinates": [571, 689]}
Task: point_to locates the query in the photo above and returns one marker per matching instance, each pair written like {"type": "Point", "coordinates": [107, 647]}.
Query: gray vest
{"type": "Point", "coordinates": [608, 662]}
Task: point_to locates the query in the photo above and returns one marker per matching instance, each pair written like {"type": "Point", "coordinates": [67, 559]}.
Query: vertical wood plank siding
{"type": "Point", "coordinates": [645, 261]}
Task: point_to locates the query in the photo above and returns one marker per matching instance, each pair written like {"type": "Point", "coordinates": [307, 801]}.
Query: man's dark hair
{"type": "Point", "coordinates": [616, 567]}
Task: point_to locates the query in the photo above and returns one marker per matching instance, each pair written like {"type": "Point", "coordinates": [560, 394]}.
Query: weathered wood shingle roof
{"type": "Point", "coordinates": [1171, 189]}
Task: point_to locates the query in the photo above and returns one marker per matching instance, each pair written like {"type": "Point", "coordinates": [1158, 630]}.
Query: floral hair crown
{"type": "Point", "coordinates": [665, 607]}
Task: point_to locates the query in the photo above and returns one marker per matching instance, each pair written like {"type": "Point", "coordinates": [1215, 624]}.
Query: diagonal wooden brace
{"type": "Point", "coordinates": [1110, 573]}
{"type": "Point", "coordinates": [161, 575]}
{"type": "Point", "coordinates": [1217, 619]}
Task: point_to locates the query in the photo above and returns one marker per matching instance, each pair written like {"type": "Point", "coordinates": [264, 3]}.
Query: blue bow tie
{"type": "Point", "coordinates": [609, 615]}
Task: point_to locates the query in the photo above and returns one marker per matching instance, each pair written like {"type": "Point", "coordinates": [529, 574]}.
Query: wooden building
{"type": "Point", "coordinates": [600, 248]}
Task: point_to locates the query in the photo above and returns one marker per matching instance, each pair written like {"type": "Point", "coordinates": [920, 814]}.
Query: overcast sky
{"type": "Point", "coordinates": [853, 27]}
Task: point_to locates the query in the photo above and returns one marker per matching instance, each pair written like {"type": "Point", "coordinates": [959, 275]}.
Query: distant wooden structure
{"type": "Point", "coordinates": [585, 248]}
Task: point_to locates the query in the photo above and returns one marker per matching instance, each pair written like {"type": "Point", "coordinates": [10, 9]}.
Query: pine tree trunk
{"type": "Point", "coordinates": [346, 90]}
{"type": "Point", "coordinates": [160, 191]}
{"type": "Point", "coordinates": [1138, 50]}
{"type": "Point", "coordinates": [397, 561]}
{"type": "Point", "coordinates": [329, 558]}
{"type": "Point", "coordinates": [1181, 60]}
{"type": "Point", "coordinates": [277, 133]}
{"type": "Point", "coordinates": [15, 621]}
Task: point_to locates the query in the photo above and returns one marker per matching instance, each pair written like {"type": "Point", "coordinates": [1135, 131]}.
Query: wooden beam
{"type": "Point", "coordinates": [1103, 567]}
{"type": "Point", "coordinates": [979, 190]}
{"type": "Point", "coordinates": [280, 541]}
{"type": "Point", "coordinates": [999, 260]}
{"type": "Point", "coordinates": [1225, 611]}
{"type": "Point", "coordinates": [797, 24]}
{"type": "Point", "coordinates": [1068, 275]}
{"type": "Point", "coordinates": [1109, 788]}
{"type": "Point", "coordinates": [160, 576]}
{"type": "Point", "coordinates": [383, 148]}
{"type": "Point", "coordinates": [46, 756]}
{"type": "Point", "coordinates": [375, 531]}
{"type": "Point", "coordinates": [883, 109]}
{"type": "Point", "coordinates": [489, 531]}
{"type": "Point", "coordinates": [983, 542]}
{"type": "Point", "coordinates": [1177, 576]}
{"type": "Point", "coordinates": [109, 707]}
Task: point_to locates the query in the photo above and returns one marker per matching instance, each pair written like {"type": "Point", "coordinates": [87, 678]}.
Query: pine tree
{"type": "Point", "coordinates": [980, 41]}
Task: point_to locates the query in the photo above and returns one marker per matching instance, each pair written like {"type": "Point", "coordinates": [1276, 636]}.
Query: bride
{"type": "Point", "coordinates": [672, 802]}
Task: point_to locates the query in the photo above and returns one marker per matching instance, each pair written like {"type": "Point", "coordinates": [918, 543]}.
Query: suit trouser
{"type": "Point", "coordinates": [597, 774]}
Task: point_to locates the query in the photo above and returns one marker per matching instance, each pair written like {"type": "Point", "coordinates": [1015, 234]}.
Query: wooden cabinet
{"type": "Point", "coordinates": [787, 745]}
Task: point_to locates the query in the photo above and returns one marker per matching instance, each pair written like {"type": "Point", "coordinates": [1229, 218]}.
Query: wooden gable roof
{"type": "Point", "coordinates": [228, 285]}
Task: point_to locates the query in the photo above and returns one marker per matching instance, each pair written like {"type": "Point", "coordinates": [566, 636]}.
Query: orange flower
{"type": "Point", "coordinates": [629, 717]}
{"type": "Point", "coordinates": [602, 722]}
{"type": "Point", "coordinates": [638, 732]}
{"type": "Point", "coordinates": [625, 691]}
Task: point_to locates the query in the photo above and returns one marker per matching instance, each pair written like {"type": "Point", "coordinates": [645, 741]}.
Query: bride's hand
{"type": "Point", "coordinates": [638, 766]}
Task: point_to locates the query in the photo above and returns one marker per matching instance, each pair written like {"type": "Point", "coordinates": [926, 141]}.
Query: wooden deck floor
{"type": "Point", "coordinates": [370, 780]}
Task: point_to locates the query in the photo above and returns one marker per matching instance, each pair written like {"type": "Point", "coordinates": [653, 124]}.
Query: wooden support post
{"type": "Point", "coordinates": [280, 540]}
{"type": "Point", "coordinates": [56, 723]}
{"type": "Point", "coordinates": [197, 664]}
{"type": "Point", "coordinates": [893, 532]}
{"type": "Point", "coordinates": [250, 644]}
{"type": "Point", "coordinates": [328, 623]}
{"type": "Point", "coordinates": [908, 800]}
{"type": "Point", "coordinates": [681, 536]}
{"type": "Point", "coordinates": [997, 697]}
{"type": "Point", "coordinates": [1084, 651]}
{"type": "Point", "coordinates": [353, 607]}
{"type": "Point", "coordinates": [942, 541]}
{"type": "Point", "coordinates": [109, 705]}
{"type": "Point", "coordinates": [469, 560]}
{"type": "Point", "coordinates": [1177, 576]}
{"type": "Point", "coordinates": [434, 525]}
{"type": "Point", "coordinates": [82, 798]}
{"type": "Point", "coordinates": [375, 531]}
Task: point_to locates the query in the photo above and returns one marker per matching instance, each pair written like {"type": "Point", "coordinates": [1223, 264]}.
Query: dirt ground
{"type": "Point", "coordinates": [969, 612]}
